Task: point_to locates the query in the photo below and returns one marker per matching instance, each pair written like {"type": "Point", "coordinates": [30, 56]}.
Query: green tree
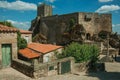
{"type": "Point", "coordinates": [81, 53]}
{"type": "Point", "coordinates": [9, 24]}
{"type": "Point", "coordinates": [22, 43]}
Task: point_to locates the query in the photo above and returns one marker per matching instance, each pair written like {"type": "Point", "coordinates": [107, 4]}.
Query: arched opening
{"type": "Point", "coordinates": [88, 36]}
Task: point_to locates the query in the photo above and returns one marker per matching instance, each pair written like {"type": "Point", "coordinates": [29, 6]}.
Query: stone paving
{"type": "Point", "coordinates": [12, 74]}
{"type": "Point", "coordinates": [112, 73]}
{"type": "Point", "coordinates": [90, 76]}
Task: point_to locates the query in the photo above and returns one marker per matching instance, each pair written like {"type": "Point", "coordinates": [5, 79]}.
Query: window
{"type": "Point", "coordinates": [47, 59]}
{"type": "Point", "coordinates": [27, 38]}
{"type": "Point", "coordinates": [88, 17]}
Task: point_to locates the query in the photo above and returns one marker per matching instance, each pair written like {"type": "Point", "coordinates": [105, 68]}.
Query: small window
{"type": "Point", "coordinates": [88, 17]}
{"type": "Point", "coordinates": [26, 38]}
{"type": "Point", "coordinates": [47, 59]}
{"type": "Point", "coordinates": [51, 68]}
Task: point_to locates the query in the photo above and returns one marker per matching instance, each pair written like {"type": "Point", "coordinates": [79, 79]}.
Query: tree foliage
{"type": "Point", "coordinates": [103, 34]}
{"type": "Point", "coordinates": [81, 53]}
{"type": "Point", "coordinates": [22, 43]}
{"type": "Point", "coordinates": [9, 24]}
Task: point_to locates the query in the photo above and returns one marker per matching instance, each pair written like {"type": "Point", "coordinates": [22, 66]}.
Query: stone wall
{"type": "Point", "coordinates": [28, 37]}
{"type": "Point", "coordinates": [81, 67]}
{"type": "Point", "coordinates": [44, 10]}
{"type": "Point", "coordinates": [51, 55]}
{"type": "Point", "coordinates": [57, 25]}
{"type": "Point", "coordinates": [97, 22]}
{"type": "Point", "coordinates": [54, 26]}
{"type": "Point", "coordinates": [9, 38]}
{"type": "Point", "coordinates": [42, 70]}
{"type": "Point", "coordinates": [23, 67]}
{"type": "Point", "coordinates": [87, 24]}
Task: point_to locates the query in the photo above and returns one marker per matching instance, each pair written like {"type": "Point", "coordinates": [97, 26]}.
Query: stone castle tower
{"type": "Point", "coordinates": [44, 10]}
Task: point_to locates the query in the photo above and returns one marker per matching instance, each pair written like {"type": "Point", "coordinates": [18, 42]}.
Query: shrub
{"type": "Point", "coordinates": [21, 42]}
{"type": "Point", "coordinates": [81, 53]}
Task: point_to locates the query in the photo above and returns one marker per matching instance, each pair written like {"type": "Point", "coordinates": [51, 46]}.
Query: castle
{"type": "Point", "coordinates": [52, 27]}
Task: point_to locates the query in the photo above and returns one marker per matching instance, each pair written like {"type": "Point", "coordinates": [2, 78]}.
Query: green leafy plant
{"type": "Point", "coordinates": [9, 24]}
{"type": "Point", "coordinates": [81, 53]}
{"type": "Point", "coordinates": [22, 43]}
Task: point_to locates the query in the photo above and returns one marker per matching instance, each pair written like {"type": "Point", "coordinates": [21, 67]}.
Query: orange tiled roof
{"type": "Point", "coordinates": [4, 28]}
{"type": "Point", "coordinates": [28, 53]}
{"type": "Point", "coordinates": [43, 48]}
{"type": "Point", "coordinates": [25, 32]}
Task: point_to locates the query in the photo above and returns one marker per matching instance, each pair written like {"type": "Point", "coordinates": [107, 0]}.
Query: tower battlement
{"type": "Point", "coordinates": [44, 10]}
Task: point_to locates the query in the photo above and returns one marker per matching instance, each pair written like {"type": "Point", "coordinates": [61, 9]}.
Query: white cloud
{"type": "Point", "coordinates": [18, 5]}
{"type": "Point", "coordinates": [105, 0]}
{"type": "Point", "coordinates": [53, 6]}
{"type": "Point", "coordinates": [116, 28]}
{"type": "Point", "coordinates": [116, 25]}
{"type": "Point", "coordinates": [39, 2]}
{"type": "Point", "coordinates": [107, 8]}
{"type": "Point", "coordinates": [51, 1]}
{"type": "Point", "coordinates": [20, 25]}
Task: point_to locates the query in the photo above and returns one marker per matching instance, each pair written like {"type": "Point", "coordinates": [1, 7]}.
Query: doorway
{"type": "Point", "coordinates": [6, 55]}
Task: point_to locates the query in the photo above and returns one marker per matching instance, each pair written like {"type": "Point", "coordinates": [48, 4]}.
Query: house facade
{"type": "Point", "coordinates": [40, 53]}
{"type": "Point", "coordinates": [27, 35]}
{"type": "Point", "coordinates": [8, 45]}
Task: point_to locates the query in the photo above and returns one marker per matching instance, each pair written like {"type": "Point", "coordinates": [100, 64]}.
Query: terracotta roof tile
{"type": "Point", "coordinates": [25, 32]}
{"type": "Point", "coordinates": [43, 48]}
{"type": "Point", "coordinates": [28, 53]}
{"type": "Point", "coordinates": [4, 28]}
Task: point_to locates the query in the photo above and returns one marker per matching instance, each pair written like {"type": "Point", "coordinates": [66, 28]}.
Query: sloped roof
{"type": "Point", "coordinates": [4, 28]}
{"type": "Point", "coordinates": [43, 48]}
{"type": "Point", "coordinates": [28, 53]}
{"type": "Point", "coordinates": [25, 32]}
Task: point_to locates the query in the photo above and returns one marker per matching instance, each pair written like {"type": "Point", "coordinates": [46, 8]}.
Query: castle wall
{"type": "Point", "coordinates": [97, 23]}
{"type": "Point", "coordinates": [88, 25]}
{"type": "Point", "coordinates": [56, 25]}
{"type": "Point", "coordinates": [44, 10]}
{"type": "Point", "coordinates": [105, 22]}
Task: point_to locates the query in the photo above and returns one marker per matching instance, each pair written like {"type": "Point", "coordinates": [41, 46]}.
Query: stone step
{"type": "Point", "coordinates": [112, 67]}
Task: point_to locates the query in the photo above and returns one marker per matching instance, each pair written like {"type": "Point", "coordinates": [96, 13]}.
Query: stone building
{"type": "Point", "coordinates": [8, 45]}
{"type": "Point", "coordinates": [40, 53]}
{"type": "Point", "coordinates": [27, 35]}
{"type": "Point", "coordinates": [44, 10]}
{"type": "Point", "coordinates": [53, 26]}
{"type": "Point", "coordinates": [42, 61]}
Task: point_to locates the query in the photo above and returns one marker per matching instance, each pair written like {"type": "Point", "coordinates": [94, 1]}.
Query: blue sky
{"type": "Point", "coordinates": [21, 12]}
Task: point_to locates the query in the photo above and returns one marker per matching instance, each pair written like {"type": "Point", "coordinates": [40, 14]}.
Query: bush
{"type": "Point", "coordinates": [81, 53]}
{"type": "Point", "coordinates": [103, 34]}
{"type": "Point", "coordinates": [9, 24]}
{"type": "Point", "coordinates": [22, 43]}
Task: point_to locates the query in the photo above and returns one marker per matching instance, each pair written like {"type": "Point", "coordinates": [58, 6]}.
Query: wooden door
{"type": "Point", "coordinates": [6, 55]}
